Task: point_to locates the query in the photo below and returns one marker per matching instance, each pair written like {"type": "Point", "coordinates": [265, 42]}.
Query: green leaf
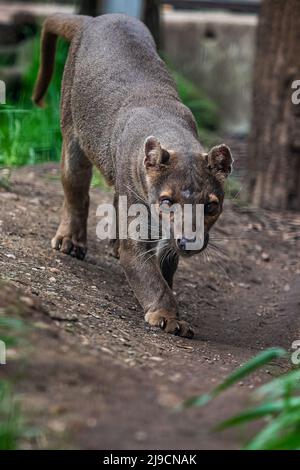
{"type": "Point", "coordinates": [257, 362]}
{"type": "Point", "coordinates": [268, 437]}
{"type": "Point", "coordinates": [199, 400]}
{"type": "Point", "coordinates": [266, 409]}
{"type": "Point", "coordinates": [279, 385]}
{"type": "Point", "coordinates": [290, 441]}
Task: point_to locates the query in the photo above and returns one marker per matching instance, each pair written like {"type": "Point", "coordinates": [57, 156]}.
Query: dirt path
{"type": "Point", "coordinates": [96, 376]}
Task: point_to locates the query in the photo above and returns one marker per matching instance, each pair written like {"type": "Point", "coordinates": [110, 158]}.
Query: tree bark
{"type": "Point", "coordinates": [151, 18]}
{"type": "Point", "coordinates": [274, 146]}
{"type": "Point", "coordinates": [91, 7]}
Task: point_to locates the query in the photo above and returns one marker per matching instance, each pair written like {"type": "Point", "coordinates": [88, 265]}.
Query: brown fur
{"type": "Point", "coordinates": [116, 93]}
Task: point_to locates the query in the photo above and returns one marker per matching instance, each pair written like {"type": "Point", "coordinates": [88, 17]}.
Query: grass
{"type": "Point", "coordinates": [11, 428]}
{"type": "Point", "coordinates": [28, 134]}
{"type": "Point", "coordinates": [11, 422]}
{"type": "Point", "coordinates": [276, 404]}
{"type": "Point", "coordinates": [5, 179]}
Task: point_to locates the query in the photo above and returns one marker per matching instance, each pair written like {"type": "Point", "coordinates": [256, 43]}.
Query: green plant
{"type": "Point", "coordinates": [11, 425]}
{"type": "Point", "coordinates": [204, 109]}
{"type": "Point", "coordinates": [5, 178]}
{"type": "Point", "coordinates": [29, 134]}
{"type": "Point", "coordinates": [11, 329]}
{"type": "Point", "coordinates": [11, 428]}
{"type": "Point", "coordinates": [277, 403]}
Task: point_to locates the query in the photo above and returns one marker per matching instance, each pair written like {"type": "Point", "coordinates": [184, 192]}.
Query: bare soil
{"type": "Point", "coordinates": [93, 374]}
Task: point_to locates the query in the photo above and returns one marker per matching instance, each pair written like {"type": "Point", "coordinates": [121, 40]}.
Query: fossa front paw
{"type": "Point", "coordinates": [169, 323]}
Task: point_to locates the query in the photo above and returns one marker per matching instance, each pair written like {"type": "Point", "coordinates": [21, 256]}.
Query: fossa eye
{"type": "Point", "coordinates": [211, 208]}
{"type": "Point", "coordinates": [165, 201]}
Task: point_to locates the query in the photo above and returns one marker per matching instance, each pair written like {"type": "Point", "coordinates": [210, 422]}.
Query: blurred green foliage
{"type": "Point", "coordinates": [276, 405]}
{"type": "Point", "coordinates": [28, 134]}
{"type": "Point", "coordinates": [10, 418]}
{"type": "Point", "coordinates": [11, 424]}
{"type": "Point", "coordinates": [205, 111]}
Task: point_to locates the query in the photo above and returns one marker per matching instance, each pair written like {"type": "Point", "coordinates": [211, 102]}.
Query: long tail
{"type": "Point", "coordinates": [66, 26]}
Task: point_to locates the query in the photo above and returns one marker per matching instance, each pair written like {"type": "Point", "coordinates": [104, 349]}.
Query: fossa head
{"type": "Point", "coordinates": [182, 177]}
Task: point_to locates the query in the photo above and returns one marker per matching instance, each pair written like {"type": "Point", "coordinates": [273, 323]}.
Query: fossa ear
{"type": "Point", "coordinates": [155, 155]}
{"type": "Point", "coordinates": [219, 161]}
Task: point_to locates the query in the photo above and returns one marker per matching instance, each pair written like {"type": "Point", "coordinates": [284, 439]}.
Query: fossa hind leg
{"type": "Point", "coordinates": [71, 236]}
{"type": "Point", "coordinates": [76, 169]}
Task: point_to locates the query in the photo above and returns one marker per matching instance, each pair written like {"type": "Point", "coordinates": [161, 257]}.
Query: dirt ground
{"type": "Point", "coordinates": [94, 375]}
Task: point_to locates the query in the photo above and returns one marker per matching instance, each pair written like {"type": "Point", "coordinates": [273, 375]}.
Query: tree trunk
{"type": "Point", "coordinates": [274, 147]}
{"type": "Point", "coordinates": [91, 7]}
{"type": "Point", "coordinates": [151, 18]}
